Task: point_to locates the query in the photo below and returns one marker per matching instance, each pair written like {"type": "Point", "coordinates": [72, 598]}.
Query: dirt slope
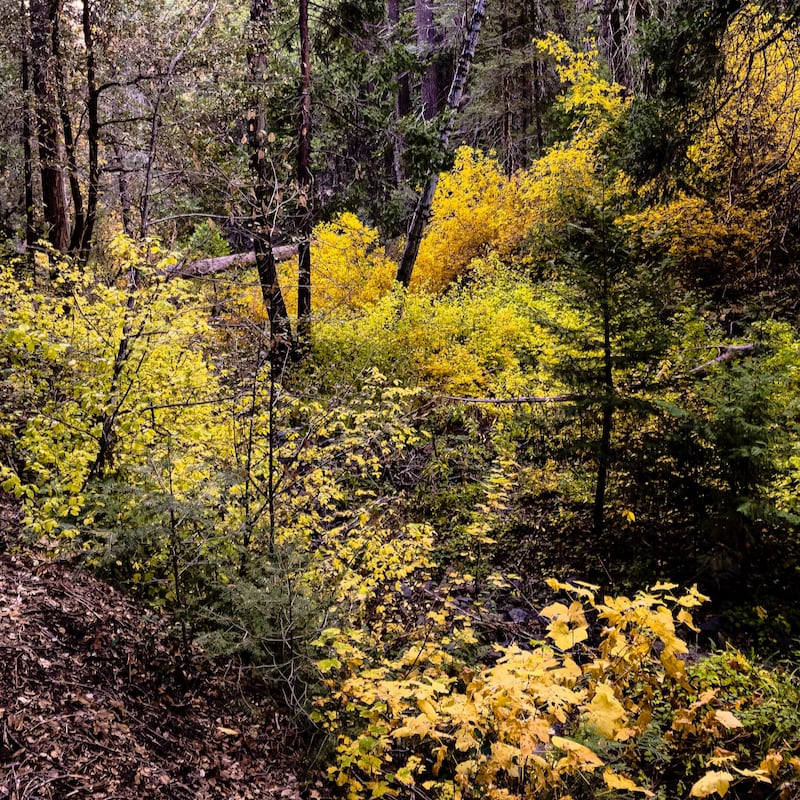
{"type": "Point", "coordinates": [93, 703]}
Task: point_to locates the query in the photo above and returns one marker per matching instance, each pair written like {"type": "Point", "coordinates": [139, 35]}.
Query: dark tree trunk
{"type": "Point", "coordinates": [280, 329]}
{"type": "Point", "coordinates": [92, 135]}
{"type": "Point", "coordinates": [426, 44]}
{"type": "Point", "coordinates": [425, 201]}
{"type": "Point", "coordinates": [538, 105]}
{"type": "Point", "coordinates": [79, 215]}
{"type": "Point", "coordinates": [402, 104]}
{"type": "Point", "coordinates": [304, 181]}
{"type": "Point", "coordinates": [123, 187]}
{"type": "Point", "coordinates": [604, 452]}
{"type": "Point", "coordinates": [27, 133]}
{"type": "Point", "coordinates": [54, 196]}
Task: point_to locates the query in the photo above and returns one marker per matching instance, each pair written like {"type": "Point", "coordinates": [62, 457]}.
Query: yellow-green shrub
{"type": "Point", "coordinates": [474, 209]}
{"type": "Point", "coordinates": [559, 719]}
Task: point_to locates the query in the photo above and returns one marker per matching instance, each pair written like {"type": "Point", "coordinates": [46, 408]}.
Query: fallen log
{"type": "Point", "coordinates": [212, 266]}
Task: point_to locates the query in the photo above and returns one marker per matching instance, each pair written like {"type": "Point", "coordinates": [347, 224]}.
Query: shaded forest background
{"type": "Point", "coordinates": [231, 385]}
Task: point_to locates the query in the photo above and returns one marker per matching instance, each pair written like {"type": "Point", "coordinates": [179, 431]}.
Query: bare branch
{"type": "Point", "coordinates": [211, 266]}
{"type": "Point", "coordinates": [726, 353]}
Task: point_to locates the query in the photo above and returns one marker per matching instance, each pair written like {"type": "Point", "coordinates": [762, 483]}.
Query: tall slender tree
{"type": "Point", "coordinates": [26, 132]}
{"type": "Point", "coordinates": [44, 31]}
{"type": "Point", "coordinates": [257, 136]}
{"type": "Point", "coordinates": [425, 200]}
{"type": "Point", "coordinates": [304, 179]}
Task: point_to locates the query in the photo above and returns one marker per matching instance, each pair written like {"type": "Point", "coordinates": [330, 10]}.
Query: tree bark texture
{"type": "Point", "coordinates": [92, 134]}
{"type": "Point", "coordinates": [60, 80]}
{"type": "Point", "coordinates": [402, 101]}
{"type": "Point", "coordinates": [27, 134]}
{"type": "Point", "coordinates": [211, 266]}
{"type": "Point", "coordinates": [43, 14]}
{"type": "Point", "coordinates": [280, 329]}
{"type": "Point", "coordinates": [426, 45]}
{"type": "Point", "coordinates": [425, 201]}
{"type": "Point", "coordinates": [604, 452]}
{"type": "Point", "coordinates": [304, 179]}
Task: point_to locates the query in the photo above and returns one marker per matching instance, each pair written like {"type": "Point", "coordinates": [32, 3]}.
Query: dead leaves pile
{"type": "Point", "coordinates": [94, 703]}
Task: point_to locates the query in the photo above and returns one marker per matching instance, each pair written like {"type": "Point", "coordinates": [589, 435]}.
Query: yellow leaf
{"type": "Point", "coordinates": [727, 719]}
{"type": "Point", "coordinates": [721, 756]}
{"type": "Point", "coordinates": [664, 587]}
{"type": "Point", "coordinates": [758, 774]}
{"type": "Point", "coordinates": [565, 637]}
{"type": "Point", "coordinates": [504, 755]}
{"type": "Point", "coordinates": [711, 782]}
{"type": "Point", "coordinates": [554, 610]}
{"type": "Point", "coordinates": [674, 667]}
{"type": "Point", "coordinates": [568, 626]}
{"type": "Point", "coordinates": [441, 752]}
{"type": "Point", "coordinates": [615, 781]}
{"type": "Point", "coordinates": [686, 618]}
{"type": "Point", "coordinates": [227, 731]}
{"type": "Point", "coordinates": [585, 756]}
{"type": "Point", "coordinates": [426, 707]}
{"type": "Point", "coordinates": [605, 711]}
{"type": "Point", "coordinates": [706, 697]}
{"type": "Point", "coordinates": [772, 763]}
{"type": "Point", "coordinates": [415, 726]}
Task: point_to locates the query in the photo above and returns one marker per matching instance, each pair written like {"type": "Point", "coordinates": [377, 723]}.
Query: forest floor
{"type": "Point", "coordinates": [97, 702]}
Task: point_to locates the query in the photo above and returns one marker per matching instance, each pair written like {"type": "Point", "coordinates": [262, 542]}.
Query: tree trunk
{"type": "Point", "coordinates": [27, 133]}
{"type": "Point", "coordinates": [304, 181]}
{"type": "Point", "coordinates": [78, 215]}
{"type": "Point", "coordinates": [92, 136]}
{"type": "Point", "coordinates": [604, 452]}
{"type": "Point", "coordinates": [426, 45]}
{"type": "Point", "coordinates": [280, 329]}
{"type": "Point", "coordinates": [54, 195]}
{"type": "Point", "coordinates": [123, 187]}
{"type": "Point", "coordinates": [425, 201]}
{"type": "Point", "coordinates": [211, 266]}
{"type": "Point", "coordinates": [402, 104]}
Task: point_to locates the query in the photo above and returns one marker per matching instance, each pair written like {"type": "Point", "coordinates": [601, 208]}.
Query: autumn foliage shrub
{"type": "Point", "coordinates": [615, 708]}
{"type": "Point", "coordinates": [351, 268]}
{"type": "Point", "coordinates": [474, 211]}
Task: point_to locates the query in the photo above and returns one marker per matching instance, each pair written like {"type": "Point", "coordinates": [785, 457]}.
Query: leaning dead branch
{"type": "Point", "coordinates": [212, 266]}
{"type": "Point", "coordinates": [726, 352]}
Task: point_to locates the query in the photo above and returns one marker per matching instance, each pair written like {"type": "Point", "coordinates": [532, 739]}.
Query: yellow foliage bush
{"type": "Point", "coordinates": [130, 357]}
{"type": "Point", "coordinates": [746, 160]}
{"type": "Point", "coordinates": [538, 721]}
{"type": "Point", "coordinates": [478, 210]}
{"type": "Point", "coordinates": [752, 146]}
{"type": "Point", "coordinates": [490, 337]}
{"type": "Point", "coordinates": [349, 271]}
{"type": "Point", "coordinates": [474, 209]}
{"type": "Point", "coordinates": [349, 266]}
{"type": "Point", "coordinates": [707, 239]}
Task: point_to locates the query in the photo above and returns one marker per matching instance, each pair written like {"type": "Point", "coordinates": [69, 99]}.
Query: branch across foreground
{"type": "Point", "coordinates": [726, 353]}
